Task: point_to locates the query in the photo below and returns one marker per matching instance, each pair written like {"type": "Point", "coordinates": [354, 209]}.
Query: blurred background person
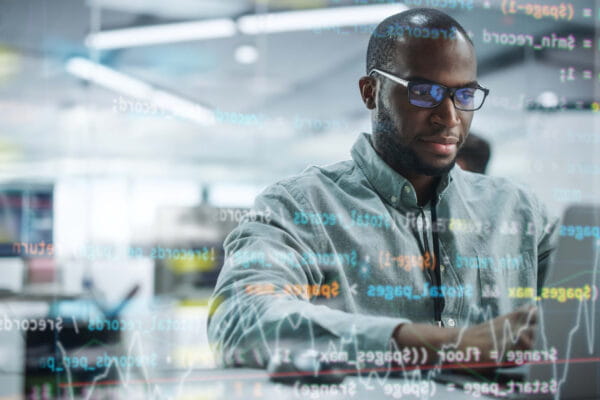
{"type": "Point", "coordinates": [475, 154]}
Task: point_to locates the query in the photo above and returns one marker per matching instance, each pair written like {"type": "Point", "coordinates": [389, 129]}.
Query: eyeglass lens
{"type": "Point", "coordinates": [430, 95]}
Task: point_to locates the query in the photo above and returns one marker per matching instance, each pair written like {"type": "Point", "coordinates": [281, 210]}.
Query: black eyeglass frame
{"type": "Point", "coordinates": [447, 91]}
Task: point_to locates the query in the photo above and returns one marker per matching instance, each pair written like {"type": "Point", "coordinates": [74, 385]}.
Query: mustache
{"type": "Point", "coordinates": [438, 132]}
{"type": "Point", "coordinates": [440, 137]}
{"type": "Point", "coordinates": [435, 135]}
{"type": "Point", "coordinates": [385, 124]}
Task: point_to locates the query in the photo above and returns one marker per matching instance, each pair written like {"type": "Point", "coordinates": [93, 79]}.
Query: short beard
{"type": "Point", "coordinates": [399, 156]}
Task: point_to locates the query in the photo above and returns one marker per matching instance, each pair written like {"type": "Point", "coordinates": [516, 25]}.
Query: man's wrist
{"type": "Point", "coordinates": [432, 338]}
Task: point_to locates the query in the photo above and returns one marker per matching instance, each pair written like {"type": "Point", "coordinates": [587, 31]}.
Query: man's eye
{"type": "Point", "coordinates": [421, 90]}
{"type": "Point", "coordinates": [466, 95]}
{"type": "Point", "coordinates": [437, 92]}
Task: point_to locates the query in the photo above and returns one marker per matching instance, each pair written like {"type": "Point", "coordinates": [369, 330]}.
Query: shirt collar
{"type": "Point", "coordinates": [390, 185]}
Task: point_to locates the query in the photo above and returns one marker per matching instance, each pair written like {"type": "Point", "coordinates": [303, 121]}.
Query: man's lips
{"type": "Point", "coordinates": [441, 139]}
{"type": "Point", "coordinates": [443, 146]}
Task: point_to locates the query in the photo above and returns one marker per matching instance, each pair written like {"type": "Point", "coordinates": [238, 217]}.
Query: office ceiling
{"type": "Point", "coordinates": [301, 91]}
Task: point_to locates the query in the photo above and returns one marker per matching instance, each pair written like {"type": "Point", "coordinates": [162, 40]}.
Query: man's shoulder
{"type": "Point", "coordinates": [317, 178]}
{"type": "Point", "coordinates": [491, 184]}
{"type": "Point", "coordinates": [497, 190]}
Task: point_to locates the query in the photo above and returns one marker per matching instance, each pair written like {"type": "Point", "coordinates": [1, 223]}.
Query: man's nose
{"type": "Point", "coordinates": [445, 114]}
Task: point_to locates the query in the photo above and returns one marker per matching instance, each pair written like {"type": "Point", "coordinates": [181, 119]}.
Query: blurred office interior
{"type": "Point", "coordinates": [135, 129]}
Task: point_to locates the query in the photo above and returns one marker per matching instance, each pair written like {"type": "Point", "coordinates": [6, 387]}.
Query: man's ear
{"type": "Point", "coordinates": [368, 91]}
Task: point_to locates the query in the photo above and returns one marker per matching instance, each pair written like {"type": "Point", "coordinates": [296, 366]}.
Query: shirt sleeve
{"type": "Point", "coordinates": [254, 311]}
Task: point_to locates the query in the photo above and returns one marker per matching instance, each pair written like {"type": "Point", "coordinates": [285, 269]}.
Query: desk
{"type": "Point", "coordinates": [251, 384]}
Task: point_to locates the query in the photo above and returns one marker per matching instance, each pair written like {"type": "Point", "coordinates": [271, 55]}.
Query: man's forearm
{"type": "Point", "coordinates": [489, 337]}
{"type": "Point", "coordinates": [431, 337]}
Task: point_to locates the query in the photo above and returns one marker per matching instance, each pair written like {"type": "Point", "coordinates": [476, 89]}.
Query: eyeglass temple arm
{"type": "Point", "coordinates": [390, 76]}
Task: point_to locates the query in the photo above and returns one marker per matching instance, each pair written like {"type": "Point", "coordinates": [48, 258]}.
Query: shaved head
{"type": "Point", "coordinates": [409, 28]}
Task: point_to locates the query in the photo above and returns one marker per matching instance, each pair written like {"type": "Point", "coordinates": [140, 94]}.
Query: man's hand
{"type": "Point", "coordinates": [513, 331]}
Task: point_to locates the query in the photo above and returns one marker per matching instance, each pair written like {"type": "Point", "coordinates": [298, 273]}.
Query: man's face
{"type": "Point", "coordinates": [416, 140]}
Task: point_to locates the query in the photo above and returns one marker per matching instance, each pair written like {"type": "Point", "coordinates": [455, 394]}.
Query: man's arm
{"type": "Point", "coordinates": [254, 314]}
{"type": "Point", "coordinates": [513, 331]}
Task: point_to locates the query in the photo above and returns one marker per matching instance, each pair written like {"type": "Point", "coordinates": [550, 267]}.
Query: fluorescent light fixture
{"type": "Point", "coordinates": [320, 18]}
{"type": "Point", "coordinates": [122, 83]}
{"type": "Point", "coordinates": [107, 77]}
{"type": "Point", "coordinates": [184, 108]}
{"type": "Point", "coordinates": [249, 25]}
{"type": "Point", "coordinates": [168, 33]}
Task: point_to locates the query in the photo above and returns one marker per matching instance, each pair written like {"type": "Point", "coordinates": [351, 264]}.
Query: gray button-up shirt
{"type": "Point", "coordinates": [341, 255]}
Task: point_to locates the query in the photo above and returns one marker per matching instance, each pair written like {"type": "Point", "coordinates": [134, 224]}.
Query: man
{"type": "Point", "coordinates": [396, 248]}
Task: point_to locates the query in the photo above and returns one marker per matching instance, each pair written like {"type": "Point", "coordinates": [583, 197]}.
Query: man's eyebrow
{"type": "Point", "coordinates": [470, 84]}
{"type": "Point", "coordinates": [421, 79]}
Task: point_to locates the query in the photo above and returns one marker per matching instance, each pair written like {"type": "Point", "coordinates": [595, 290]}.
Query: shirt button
{"type": "Point", "coordinates": [443, 268]}
{"type": "Point", "coordinates": [406, 189]}
{"type": "Point", "coordinates": [451, 322]}
{"type": "Point", "coordinates": [394, 199]}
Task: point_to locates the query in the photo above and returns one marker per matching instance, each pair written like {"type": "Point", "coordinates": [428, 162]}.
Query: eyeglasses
{"type": "Point", "coordinates": [430, 95]}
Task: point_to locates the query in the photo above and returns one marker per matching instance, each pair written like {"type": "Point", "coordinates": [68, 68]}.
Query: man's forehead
{"type": "Point", "coordinates": [422, 57]}
{"type": "Point", "coordinates": [413, 47]}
